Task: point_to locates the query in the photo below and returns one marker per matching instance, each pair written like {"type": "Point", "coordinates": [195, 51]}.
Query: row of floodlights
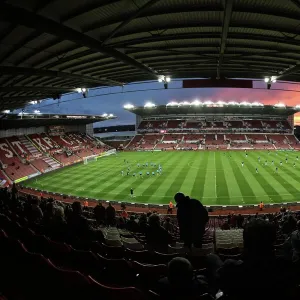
{"type": "Point", "coordinates": [107, 115]}
{"type": "Point", "coordinates": [210, 103]}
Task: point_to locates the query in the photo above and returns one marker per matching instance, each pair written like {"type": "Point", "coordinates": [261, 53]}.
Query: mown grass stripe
{"type": "Point", "coordinates": [239, 185]}
{"type": "Point", "coordinates": [221, 184]}
{"type": "Point", "coordinates": [270, 193]}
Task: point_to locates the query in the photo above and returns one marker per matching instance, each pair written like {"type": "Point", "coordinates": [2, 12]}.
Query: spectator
{"type": "Point", "coordinates": [35, 213]}
{"type": "Point", "coordinates": [99, 212]}
{"type": "Point", "coordinates": [289, 225]}
{"type": "Point", "coordinates": [58, 228]}
{"type": "Point", "coordinates": [143, 224]}
{"type": "Point", "coordinates": [240, 221]}
{"type": "Point", "coordinates": [225, 226]}
{"type": "Point", "coordinates": [180, 282]}
{"type": "Point", "coordinates": [168, 225]}
{"type": "Point", "coordinates": [260, 273]}
{"type": "Point", "coordinates": [110, 214]}
{"type": "Point", "coordinates": [192, 218]}
{"type": "Point", "coordinates": [77, 222]}
{"type": "Point", "coordinates": [132, 225]}
{"type": "Point", "coordinates": [48, 214]}
{"type": "Point", "coordinates": [295, 241]}
{"type": "Point", "coordinates": [156, 236]}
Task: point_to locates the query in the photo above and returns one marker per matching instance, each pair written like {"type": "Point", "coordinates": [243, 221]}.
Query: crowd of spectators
{"type": "Point", "coordinates": [266, 269]}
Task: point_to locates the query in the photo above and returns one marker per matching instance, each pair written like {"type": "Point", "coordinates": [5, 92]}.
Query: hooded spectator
{"type": "Point", "coordinates": [157, 237]}
{"type": "Point", "coordinates": [99, 212]}
{"type": "Point", "coordinates": [192, 218]}
{"type": "Point", "coordinates": [261, 272]}
{"type": "Point", "coordinates": [110, 214]}
{"type": "Point", "coordinates": [181, 282]}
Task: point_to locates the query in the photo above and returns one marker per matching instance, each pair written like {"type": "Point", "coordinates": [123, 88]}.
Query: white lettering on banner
{"type": "Point", "coordinates": [18, 144]}
{"type": "Point", "coordinates": [66, 141]}
{"type": "Point", "coordinates": [48, 141]}
{"type": "Point", "coordinates": [39, 143]}
{"type": "Point", "coordinates": [5, 148]}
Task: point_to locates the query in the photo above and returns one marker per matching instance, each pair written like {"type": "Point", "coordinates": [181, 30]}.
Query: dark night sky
{"type": "Point", "coordinates": [154, 92]}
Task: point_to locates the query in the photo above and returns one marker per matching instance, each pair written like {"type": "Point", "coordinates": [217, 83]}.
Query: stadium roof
{"type": "Point", "coordinates": [22, 120]}
{"type": "Point", "coordinates": [174, 108]}
{"type": "Point", "coordinates": [50, 47]}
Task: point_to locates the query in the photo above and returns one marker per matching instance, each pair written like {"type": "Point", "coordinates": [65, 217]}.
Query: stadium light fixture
{"type": "Point", "coordinates": [233, 103]}
{"type": "Point", "coordinates": [128, 106]}
{"type": "Point", "coordinates": [245, 103]}
{"type": "Point", "coordinates": [267, 79]}
{"type": "Point", "coordinates": [208, 102]}
{"type": "Point", "coordinates": [273, 79]}
{"type": "Point", "coordinates": [149, 105]}
{"type": "Point", "coordinates": [104, 115]}
{"type": "Point", "coordinates": [33, 102]}
{"type": "Point", "coordinates": [110, 115]}
{"type": "Point", "coordinates": [196, 103]}
{"type": "Point", "coordinates": [36, 111]}
{"type": "Point", "coordinates": [280, 105]}
{"type": "Point", "coordinates": [185, 103]}
{"type": "Point", "coordinates": [257, 104]}
{"type": "Point", "coordinates": [6, 111]}
{"type": "Point", "coordinates": [173, 103]}
{"type": "Point", "coordinates": [165, 80]}
{"type": "Point", "coordinates": [221, 103]}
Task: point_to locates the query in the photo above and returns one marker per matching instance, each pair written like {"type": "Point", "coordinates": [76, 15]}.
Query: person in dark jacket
{"type": "Point", "coordinates": [110, 215]}
{"type": "Point", "coordinates": [192, 218]}
{"type": "Point", "coordinates": [99, 212]}
{"type": "Point", "coordinates": [156, 236]}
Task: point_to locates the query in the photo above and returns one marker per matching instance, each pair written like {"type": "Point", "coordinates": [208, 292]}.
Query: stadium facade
{"type": "Point", "coordinates": [33, 144]}
{"type": "Point", "coordinates": [214, 125]}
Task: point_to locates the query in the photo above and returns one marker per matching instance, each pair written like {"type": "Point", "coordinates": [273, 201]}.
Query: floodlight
{"type": "Point", "coordinates": [297, 106]}
{"type": "Point", "coordinates": [280, 105]}
{"type": "Point", "coordinates": [257, 104]}
{"type": "Point", "coordinates": [33, 102]}
{"type": "Point", "coordinates": [245, 103]}
{"type": "Point", "coordinates": [168, 79]}
{"type": "Point", "coordinates": [208, 102]}
{"type": "Point", "coordinates": [273, 79]}
{"type": "Point", "coordinates": [196, 102]}
{"type": "Point", "coordinates": [104, 115]}
{"type": "Point", "coordinates": [221, 103]}
{"type": "Point", "coordinates": [173, 103]}
{"type": "Point", "coordinates": [128, 106]}
{"type": "Point", "coordinates": [78, 90]}
{"type": "Point", "coordinates": [185, 103]}
{"type": "Point", "coordinates": [149, 105]}
{"type": "Point", "coordinates": [83, 90]}
{"type": "Point", "coordinates": [160, 79]}
{"type": "Point", "coordinates": [110, 115]}
{"type": "Point", "coordinates": [233, 103]}
{"type": "Point", "coordinates": [6, 111]}
{"type": "Point", "coordinates": [36, 111]}
{"type": "Point", "coordinates": [267, 79]}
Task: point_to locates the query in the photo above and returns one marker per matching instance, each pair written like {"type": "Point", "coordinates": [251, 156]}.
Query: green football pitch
{"type": "Point", "coordinates": [214, 177]}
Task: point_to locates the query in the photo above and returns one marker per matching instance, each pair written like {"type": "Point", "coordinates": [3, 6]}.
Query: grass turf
{"type": "Point", "coordinates": [214, 177]}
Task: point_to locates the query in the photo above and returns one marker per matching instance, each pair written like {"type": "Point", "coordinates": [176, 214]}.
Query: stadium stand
{"type": "Point", "coordinates": [114, 262]}
{"type": "Point", "coordinates": [232, 129]}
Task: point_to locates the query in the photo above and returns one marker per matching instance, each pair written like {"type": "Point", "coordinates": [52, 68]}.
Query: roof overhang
{"type": "Point", "coordinates": [23, 120]}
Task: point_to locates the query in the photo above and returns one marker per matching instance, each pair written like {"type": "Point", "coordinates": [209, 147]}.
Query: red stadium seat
{"type": "Point", "coordinates": [115, 293]}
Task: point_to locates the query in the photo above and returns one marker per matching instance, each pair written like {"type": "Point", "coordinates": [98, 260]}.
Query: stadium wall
{"type": "Point", "coordinates": [22, 131]}
{"type": "Point", "coordinates": [32, 130]}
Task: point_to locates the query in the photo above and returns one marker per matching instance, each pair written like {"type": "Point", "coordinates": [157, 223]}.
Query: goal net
{"type": "Point", "coordinates": [88, 159]}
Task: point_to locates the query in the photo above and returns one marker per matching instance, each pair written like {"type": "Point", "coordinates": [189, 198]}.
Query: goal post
{"type": "Point", "coordinates": [88, 159]}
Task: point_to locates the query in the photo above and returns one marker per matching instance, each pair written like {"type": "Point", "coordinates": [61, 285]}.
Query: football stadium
{"type": "Point", "coordinates": [149, 149]}
{"type": "Point", "coordinates": [235, 154]}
